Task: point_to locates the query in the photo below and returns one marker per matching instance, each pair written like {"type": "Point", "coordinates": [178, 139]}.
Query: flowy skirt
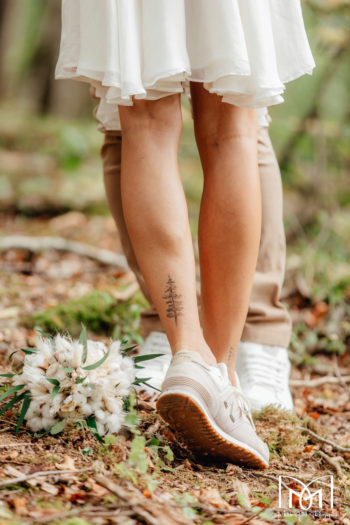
{"type": "Point", "coordinates": [242, 50]}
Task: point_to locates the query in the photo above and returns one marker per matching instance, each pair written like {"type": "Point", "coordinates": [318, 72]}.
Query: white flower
{"type": "Point", "coordinates": [51, 374]}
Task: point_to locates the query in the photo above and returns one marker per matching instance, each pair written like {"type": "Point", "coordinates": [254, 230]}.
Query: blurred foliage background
{"type": "Point", "coordinates": [49, 158]}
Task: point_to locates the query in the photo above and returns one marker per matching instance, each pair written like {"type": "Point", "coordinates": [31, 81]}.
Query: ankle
{"type": "Point", "coordinates": [202, 349]}
{"type": "Point", "coordinates": [232, 377]}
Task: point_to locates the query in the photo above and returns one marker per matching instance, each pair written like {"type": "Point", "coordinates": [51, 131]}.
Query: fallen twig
{"type": "Point", "coordinates": [119, 491]}
{"type": "Point", "coordinates": [39, 244]}
{"type": "Point", "coordinates": [16, 445]}
{"type": "Point", "coordinates": [324, 440]}
{"type": "Point", "coordinates": [135, 503]}
{"type": "Point", "coordinates": [319, 381]}
{"type": "Point", "coordinates": [337, 371]}
{"type": "Point", "coordinates": [58, 516]}
{"type": "Point", "coordinates": [270, 478]}
{"type": "Point", "coordinates": [8, 422]}
{"type": "Point", "coordinates": [20, 479]}
{"type": "Point", "coordinates": [331, 461]}
{"type": "Point", "coordinates": [253, 516]}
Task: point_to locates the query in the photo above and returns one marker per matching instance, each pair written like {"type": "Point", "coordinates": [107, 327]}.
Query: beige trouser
{"type": "Point", "coordinates": [268, 322]}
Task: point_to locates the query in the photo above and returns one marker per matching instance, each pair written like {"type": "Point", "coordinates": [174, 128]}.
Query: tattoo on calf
{"type": "Point", "coordinates": [173, 300]}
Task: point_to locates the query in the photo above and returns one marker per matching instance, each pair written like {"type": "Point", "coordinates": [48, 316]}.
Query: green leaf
{"type": "Point", "coordinates": [7, 375]}
{"type": "Point", "coordinates": [11, 391]}
{"type": "Point", "coordinates": [91, 424]}
{"type": "Point", "coordinates": [128, 349]}
{"type": "Point", "coordinates": [140, 358]}
{"type": "Point", "coordinates": [91, 385]}
{"type": "Point", "coordinates": [16, 399]}
{"type": "Point", "coordinates": [79, 380]}
{"type": "Point", "coordinates": [110, 439]}
{"type": "Point", "coordinates": [53, 381]}
{"type": "Point", "coordinates": [140, 380]}
{"type": "Point", "coordinates": [168, 453]}
{"type": "Point", "coordinates": [68, 370]}
{"type": "Point", "coordinates": [58, 427]}
{"type": "Point", "coordinates": [87, 451]}
{"type": "Point", "coordinates": [24, 410]}
{"type": "Point", "coordinates": [131, 419]}
{"type": "Point", "coordinates": [29, 350]}
{"type": "Point", "coordinates": [290, 519]}
{"type": "Point", "coordinates": [190, 512]}
{"type": "Point", "coordinates": [242, 500]}
{"type": "Point", "coordinates": [144, 381]}
{"type": "Point", "coordinates": [44, 334]}
{"type": "Point", "coordinates": [83, 341]}
{"type": "Point", "coordinates": [98, 363]}
{"type": "Point", "coordinates": [55, 391]}
{"type": "Point", "coordinates": [138, 456]}
{"type": "Point", "coordinates": [153, 443]}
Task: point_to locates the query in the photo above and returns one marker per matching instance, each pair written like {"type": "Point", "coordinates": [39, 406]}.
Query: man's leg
{"type": "Point", "coordinates": [262, 359]}
{"type": "Point", "coordinates": [111, 159]}
{"type": "Point", "coordinates": [268, 322]}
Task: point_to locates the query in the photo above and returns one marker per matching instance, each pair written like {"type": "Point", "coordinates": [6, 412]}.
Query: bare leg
{"type": "Point", "coordinates": [230, 218]}
{"type": "Point", "coordinates": [157, 218]}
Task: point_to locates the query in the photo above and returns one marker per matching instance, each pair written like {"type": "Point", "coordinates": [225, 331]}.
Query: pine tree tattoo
{"type": "Point", "coordinates": [173, 300]}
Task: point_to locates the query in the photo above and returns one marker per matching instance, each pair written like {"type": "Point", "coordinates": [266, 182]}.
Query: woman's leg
{"type": "Point", "coordinates": [157, 218]}
{"type": "Point", "coordinates": [230, 218]}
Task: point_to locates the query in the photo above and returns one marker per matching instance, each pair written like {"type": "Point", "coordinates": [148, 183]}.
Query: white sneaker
{"type": "Point", "coordinates": [264, 375]}
{"type": "Point", "coordinates": [212, 416]}
{"type": "Point", "coordinates": [156, 368]}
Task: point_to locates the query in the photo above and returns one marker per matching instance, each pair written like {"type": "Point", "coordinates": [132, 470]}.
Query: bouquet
{"type": "Point", "coordinates": [69, 381]}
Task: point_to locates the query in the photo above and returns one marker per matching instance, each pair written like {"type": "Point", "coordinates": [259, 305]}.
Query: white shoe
{"type": "Point", "coordinates": [156, 368]}
{"type": "Point", "coordinates": [211, 416]}
{"type": "Point", "coordinates": [264, 375]}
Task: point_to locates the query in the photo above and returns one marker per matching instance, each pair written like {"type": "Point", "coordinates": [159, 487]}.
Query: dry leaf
{"type": "Point", "coordinates": [68, 464]}
{"type": "Point", "coordinates": [49, 488]}
{"type": "Point", "coordinates": [20, 505]}
{"type": "Point", "coordinates": [213, 497]}
{"type": "Point", "coordinates": [241, 488]}
{"type": "Point", "coordinates": [97, 489]}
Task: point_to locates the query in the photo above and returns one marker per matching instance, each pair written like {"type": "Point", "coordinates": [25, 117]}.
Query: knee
{"type": "Point", "coordinates": [152, 117]}
{"type": "Point", "coordinates": [230, 124]}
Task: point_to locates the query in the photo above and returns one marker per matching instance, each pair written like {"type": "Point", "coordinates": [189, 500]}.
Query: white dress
{"type": "Point", "coordinates": [243, 50]}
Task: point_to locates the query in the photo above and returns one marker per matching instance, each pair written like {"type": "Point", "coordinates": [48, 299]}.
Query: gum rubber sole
{"type": "Point", "coordinates": [188, 420]}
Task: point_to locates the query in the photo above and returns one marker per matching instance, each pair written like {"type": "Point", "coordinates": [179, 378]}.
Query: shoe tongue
{"type": "Point", "coordinates": [224, 372]}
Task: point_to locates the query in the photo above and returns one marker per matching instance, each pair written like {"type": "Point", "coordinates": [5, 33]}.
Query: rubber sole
{"type": "Point", "coordinates": [190, 422]}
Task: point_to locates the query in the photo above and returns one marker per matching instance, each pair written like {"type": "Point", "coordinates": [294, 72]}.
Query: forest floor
{"type": "Point", "coordinates": [72, 478]}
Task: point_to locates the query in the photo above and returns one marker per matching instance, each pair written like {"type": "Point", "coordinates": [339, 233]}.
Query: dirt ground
{"type": "Point", "coordinates": [73, 479]}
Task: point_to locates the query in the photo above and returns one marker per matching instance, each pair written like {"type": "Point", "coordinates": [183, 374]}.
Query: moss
{"type": "Point", "coordinates": [98, 311]}
{"type": "Point", "coordinates": [279, 429]}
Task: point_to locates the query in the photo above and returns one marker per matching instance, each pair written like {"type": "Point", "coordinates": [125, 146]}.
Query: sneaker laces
{"type": "Point", "coordinates": [269, 373]}
{"type": "Point", "coordinates": [234, 393]}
